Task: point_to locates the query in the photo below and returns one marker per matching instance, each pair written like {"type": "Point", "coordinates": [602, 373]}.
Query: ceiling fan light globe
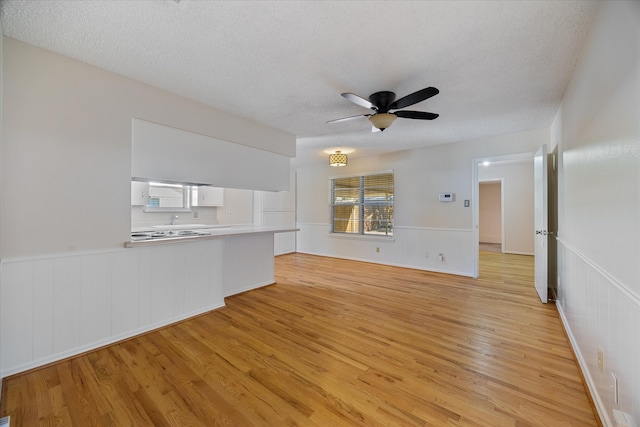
{"type": "Point", "coordinates": [382, 120]}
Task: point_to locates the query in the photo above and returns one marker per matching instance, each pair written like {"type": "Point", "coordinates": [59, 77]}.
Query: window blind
{"type": "Point", "coordinates": [363, 204]}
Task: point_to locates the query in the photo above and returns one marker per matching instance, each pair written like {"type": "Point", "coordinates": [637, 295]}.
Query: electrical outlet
{"type": "Point", "coordinates": [614, 388]}
{"type": "Point", "coordinates": [622, 418]}
{"type": "Point", "coordinates": [601, 359]}
{"type": "Point", "coordinates": [378, 249]}
{"type": "Point", "coordinates": [426, 254]}
{"type": "Point", "coordinates": [441, 257]}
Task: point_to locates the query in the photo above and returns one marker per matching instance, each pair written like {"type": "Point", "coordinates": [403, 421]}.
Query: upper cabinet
{"type": "Point", "coordinates": [167, 154]}
{"type": "Point", "coordinates": [210, 196]}
{"type": "Point", "coordinates": [139, 193]}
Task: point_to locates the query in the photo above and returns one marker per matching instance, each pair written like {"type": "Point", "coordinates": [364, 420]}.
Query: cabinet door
{"type": "Point", "coordinates": [139, 193]}
{"type": "Point", "coordinates": [271, 201]}
{"type": "Point", "coordinates": [210, 196]}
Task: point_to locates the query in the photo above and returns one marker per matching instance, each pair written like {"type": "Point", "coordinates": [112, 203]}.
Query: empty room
{"type": "Point", "coordinates": [320, 213]}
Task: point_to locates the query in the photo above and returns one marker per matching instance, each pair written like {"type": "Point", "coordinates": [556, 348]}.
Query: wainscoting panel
{"type": "Point", "coordinates": [592, 303]}
{"type": "Point", "coordinates": [95, 315]}
{"type": "Point", "coordinates": [126, 290]}
{"type": "Point", "coordinates": [57, 306]}
{"type": "Point", "coordinates": [43, 316]}
{"type": "Point", "coordinates": [412, 247]}
{"type": "Point", "coordinates": [248, 263]}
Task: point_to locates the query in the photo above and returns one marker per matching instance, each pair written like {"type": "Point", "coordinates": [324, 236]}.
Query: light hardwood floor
{"type": "Point", "coordinates": [333, 343]}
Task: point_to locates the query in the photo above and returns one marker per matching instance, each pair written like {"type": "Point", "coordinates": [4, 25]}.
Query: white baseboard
{"type": "Point", "coordinates": [108, 341]}
{"type": "Point", "coordinates": [391, 264]}
{"type": "Point", "coordinates": [597, 400]}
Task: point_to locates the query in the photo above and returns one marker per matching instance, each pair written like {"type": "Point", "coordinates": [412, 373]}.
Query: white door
{"type": "Point", "coordinates": [540, 220]}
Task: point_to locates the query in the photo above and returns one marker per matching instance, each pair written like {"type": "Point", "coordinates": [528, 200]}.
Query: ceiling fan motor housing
{"type": "Point", "coordinates": [382, 100]}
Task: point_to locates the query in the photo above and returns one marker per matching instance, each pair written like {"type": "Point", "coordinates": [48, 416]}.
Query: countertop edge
{"type": "Point", "coordinates": [216, 233]}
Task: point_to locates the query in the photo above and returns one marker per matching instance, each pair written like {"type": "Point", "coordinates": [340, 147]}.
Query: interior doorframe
{"type": "Point", "coordinates": [475, 197]}
{"type": "Point", "coordinates": [502, 226]}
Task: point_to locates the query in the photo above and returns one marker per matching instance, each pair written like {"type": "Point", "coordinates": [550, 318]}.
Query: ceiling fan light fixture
{"type": "Point", "coordinates": [382, 120]}
{"type": "Point", "coordinates": [338, 159]}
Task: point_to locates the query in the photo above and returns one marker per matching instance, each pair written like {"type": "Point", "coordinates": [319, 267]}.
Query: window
{"type": "Point", "coordinates": [362, 204]}
{"type": "Point", "coordinates": [171, 197]}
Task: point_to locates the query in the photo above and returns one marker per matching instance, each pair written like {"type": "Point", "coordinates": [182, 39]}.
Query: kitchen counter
{"type": "Point", "coordinates": [216, 232]}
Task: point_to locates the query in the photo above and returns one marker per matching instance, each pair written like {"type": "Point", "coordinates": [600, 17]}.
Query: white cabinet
{"type": "Point", "coordinates": [210, 196]}
{"type": "Point", "coordinates": [278, 209]}
{"type": "Point", "coordinates": [139, 193]}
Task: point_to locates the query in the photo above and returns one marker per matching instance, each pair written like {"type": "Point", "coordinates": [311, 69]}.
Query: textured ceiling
{"type": "Point", "coordinates": [500, 66]}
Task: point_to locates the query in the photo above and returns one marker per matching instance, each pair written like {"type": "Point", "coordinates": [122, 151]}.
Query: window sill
{"type": "Point", "coordinates": [367, 237]}
{"type": "Point", "coordinates": [147, 209]}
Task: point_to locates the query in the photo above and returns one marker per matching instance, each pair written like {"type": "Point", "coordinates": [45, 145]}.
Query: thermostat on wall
{"type": "Point", "coordinates": [446, 197]}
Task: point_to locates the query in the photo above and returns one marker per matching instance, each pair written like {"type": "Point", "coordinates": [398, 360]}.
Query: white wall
{"type": "Point", "coordinates": [422, 223]}
{"type": "Point", "coordinates": [66, 142]}
{"type": "Point", "coordinates": [518, 203]}
{"type": "Point", "coordinates": [66, 283]}
{"type": "Point", "coordinates": [597, 132]}
{"type": "Point", "coordinates": [198, 215]}
{"type": "Point", "coordinates": [237, 208]}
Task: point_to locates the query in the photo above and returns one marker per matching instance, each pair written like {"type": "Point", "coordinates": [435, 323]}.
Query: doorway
{"type": "Point", "coordinates": [511, 218]}
{"type": "Point", "coordinates": [490, 216]}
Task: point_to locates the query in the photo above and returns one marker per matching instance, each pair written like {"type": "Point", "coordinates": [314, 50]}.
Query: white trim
{"type": "Point", "coordinates": [148, 209]}
{"type": "Point", "coordinates": [621, 287]}
{"type": "Point", "coordinates": [62, 255]}
{"type": "Point", "coordinates": [518, 253]}
{"type": "Point", "coordinates": [102, 343]}
{"type": "Point", "coordinates": [365, 237]}
{"type": "Point", "coordinates": [455, 230]}
{"type": "Point", "coordinates": [361, 174]}
{"type": "Point", "coordinates": [475, 218]}
{"type": "Point", "coordinates": [392, 264]}
{"type": "Point", "coordinates": [597, 401]}
{"type": "Point", "coordinates": [249, 288]}
{"type": "Point", "coordinates": [401, 227]}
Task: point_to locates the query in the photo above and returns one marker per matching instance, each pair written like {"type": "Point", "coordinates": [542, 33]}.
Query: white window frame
{"type": "Point", "coordinates": [362, 204]}
{"type": "Point", "coordinates": [187, 198]}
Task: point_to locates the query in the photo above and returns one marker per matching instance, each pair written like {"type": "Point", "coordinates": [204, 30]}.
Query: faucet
{"type": "Point", "coordinates": [173, 219]}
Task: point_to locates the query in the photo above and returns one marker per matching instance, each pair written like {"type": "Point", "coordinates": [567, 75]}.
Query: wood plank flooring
{"type": "Point", "coordinates": [333, 343]}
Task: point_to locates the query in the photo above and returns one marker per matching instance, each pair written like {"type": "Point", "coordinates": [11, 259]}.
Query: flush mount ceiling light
{"type": "Point", "coordinates": [382, 120]}
{"type": "Point", "coordinates": [338, 159]}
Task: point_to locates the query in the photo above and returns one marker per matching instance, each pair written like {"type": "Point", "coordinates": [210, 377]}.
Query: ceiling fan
{"type": "Point", "coordinates": [383, 102]}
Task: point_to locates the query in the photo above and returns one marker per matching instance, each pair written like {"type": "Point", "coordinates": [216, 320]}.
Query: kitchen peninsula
{"type": "Point", "coordinates": [88, 299]}
{"type": "Point", "coordinates": [205, 233]}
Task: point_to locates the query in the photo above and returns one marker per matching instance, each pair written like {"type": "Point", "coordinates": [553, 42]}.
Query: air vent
{"type": "Point", "coordinates": [5, 421]}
